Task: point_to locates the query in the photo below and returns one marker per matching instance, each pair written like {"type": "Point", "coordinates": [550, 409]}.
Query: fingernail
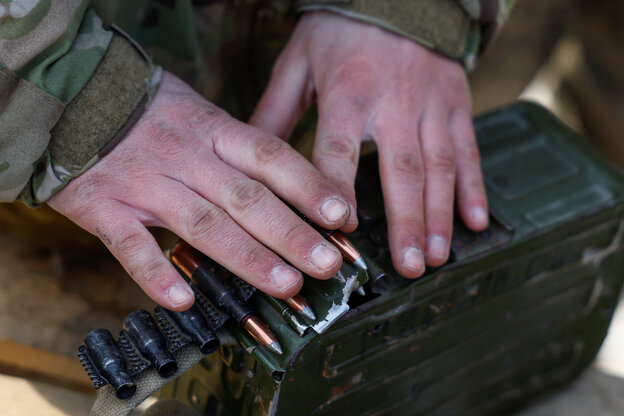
{"type": "Point", "coordinates": [333, 210]}
{"type": "Point", "coordinates": [324, 257]}
{"type": "Point", "coordinates": [284, 276]}
{"type": "Point", "coordinates": [179, 294]}
{"type": "Point", "coordinates": [413, 259]}
{"type": "Point", "coordinates": [436, 247]}
{"type": "Point", "coordinates": [479, 216]}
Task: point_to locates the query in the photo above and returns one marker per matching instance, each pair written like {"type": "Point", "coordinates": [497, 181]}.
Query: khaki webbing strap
{"type": "Point", "coordinates": [442, 25]}
{"type": "Point", "coordinates": [93, 117]}
{"type": "Point", "coordinates": [147, 383]}
{"type": "Point", "coordinates": [96, 119]}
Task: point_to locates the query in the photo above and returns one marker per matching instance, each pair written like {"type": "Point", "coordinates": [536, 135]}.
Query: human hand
{"type": "Point", "coordinates": [415, 104]}
{"type": "Point", "coordinates": [189, 167]}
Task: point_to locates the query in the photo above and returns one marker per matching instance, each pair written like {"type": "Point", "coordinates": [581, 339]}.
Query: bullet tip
{"type": "Point", "coordinates": [360, 291]}
{"type": "Point", "coordinates": [275, 347]}
{"type": "Point", "coordinates": [308, 313]}
{"type": "Point", "coordinates": [359, 262]}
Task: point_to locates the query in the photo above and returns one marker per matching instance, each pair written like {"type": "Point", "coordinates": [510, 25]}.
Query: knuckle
{"type": "Point", "coordinates": [472, 185]}
{"type": "Point", "coordinates": [407, 232]}
{"type": "Point", "coordinates": [129, 243]}
{"type": "Point", "coordinates": [204, 116]}
{"type": "Point", "coordinates": [351, 93]}
{"type": "Point", "coordinates": [170, 145]}
{"type": "Point", "coordinates": [409, 165]}
{"type": "Point", "coordinates": [150, 270]}
{"type": "Point", "coordinates": [358, 102]}
{"type": "Point", "coordinates": [202, 220]}
{"type": "Point", "coordinates": [246, 194]}
{"type": "Point", "coordinates": [67, 201]}
{"type": "Point", "coordinates": [357, 72]}
{"type": "Point", "coordinates": [268, 150]}
{"type": "Point", "coordinates": [293, 235]}
{"type": "Point", "coordinates": [317, 189]}
{"type": "Point", "coordinates": [406, 227]}
{"type": "Point", "coordinates": [337, 146]}
{"type": "Point", "coordinates": [98, 180]}
{"type": "Point", "coordinates": [254, 258]}
{"type": "Point", "coordinates": [470, 152]}
{"type": "Point", "coordinates": [442, 162]}
{"type": "Point", "coordinates": [103, 236]}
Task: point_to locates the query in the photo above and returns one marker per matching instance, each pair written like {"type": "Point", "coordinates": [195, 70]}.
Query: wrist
{"type": "Point", "coordinates": [440, 25]}
{"type": "Point", "coordinates": [96, 119]}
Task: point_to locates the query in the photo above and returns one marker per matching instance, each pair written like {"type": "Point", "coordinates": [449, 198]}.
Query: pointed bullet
{"type": "Point", "coordinates": [308, 313]}
{"type": "Point", "coordinates": [301, 305]}
{"type": "Point", "coordinates": [275, 347]}
{"type": "Point", "coordinates": [212, 280]}
{"type": "Point", "coordinates": [359, 262]}
{"type": "Point", "coordinates": [261, 332]}
{"type": "Point", "coordinates": [347, 248]}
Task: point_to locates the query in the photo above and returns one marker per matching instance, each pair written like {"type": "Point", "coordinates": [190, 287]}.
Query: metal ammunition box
{"type": "Point", "coordinates": [519, 309]}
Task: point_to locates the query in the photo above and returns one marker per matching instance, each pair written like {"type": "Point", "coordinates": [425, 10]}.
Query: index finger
{"type": "Point", "coordinates": [287, 173]}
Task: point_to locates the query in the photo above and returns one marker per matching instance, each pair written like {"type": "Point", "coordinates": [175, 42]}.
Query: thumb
{"type": "Point", "coordinates": [288, 95]}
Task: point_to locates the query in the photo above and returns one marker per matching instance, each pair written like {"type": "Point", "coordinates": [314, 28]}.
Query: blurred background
{"type": "Point", "coordinates": [57, 282]}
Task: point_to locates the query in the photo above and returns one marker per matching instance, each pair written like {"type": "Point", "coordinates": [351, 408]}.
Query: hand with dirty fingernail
{"type": "Point", "coordinates": [415, 104]}
{"type": "Point", "coordinates": [219, 184]}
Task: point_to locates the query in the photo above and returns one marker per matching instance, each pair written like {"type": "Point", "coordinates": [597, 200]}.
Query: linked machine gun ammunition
{"type": "Point", "coordinates": [519, 309]}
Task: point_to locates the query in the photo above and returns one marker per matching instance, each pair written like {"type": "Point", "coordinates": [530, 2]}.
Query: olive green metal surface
{"type": "Point", "coordinates": [519, 310]}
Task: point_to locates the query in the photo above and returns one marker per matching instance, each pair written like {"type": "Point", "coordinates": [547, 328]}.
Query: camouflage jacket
{"type": "Point", "coordinates": [72, 84]}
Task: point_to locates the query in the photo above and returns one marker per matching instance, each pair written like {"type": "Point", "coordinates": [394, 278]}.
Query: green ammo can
{"type": "Point", "coordinates": [519, 310]}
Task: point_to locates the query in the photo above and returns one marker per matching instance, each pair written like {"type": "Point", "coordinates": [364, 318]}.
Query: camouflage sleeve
{"type": "Point", "coordinates": [459, 29]}
{"type": "Point", "coordinates": [68, 89]}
